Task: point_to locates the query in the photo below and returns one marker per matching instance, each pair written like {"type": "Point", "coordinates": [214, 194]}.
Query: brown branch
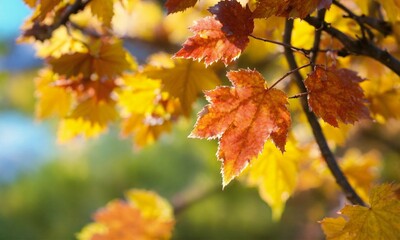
{"type": "Point", "coordinates": [326, 152]}
{"type": "Point", "coordinates": [357, 46]}
{"type": "Point", "coordinates": [317, 38]}
{"type": "Point", "coordinates": [42, 31]}
{"type": "Point", "coordinates": [287, 74]}
{"type": "Point", "coordinates": [302, 50]}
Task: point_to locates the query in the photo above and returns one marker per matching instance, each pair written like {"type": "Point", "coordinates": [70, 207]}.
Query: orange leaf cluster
{"type": "Point", "coordinates": [243, 117]}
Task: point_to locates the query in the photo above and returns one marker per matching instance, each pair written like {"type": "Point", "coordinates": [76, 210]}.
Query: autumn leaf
{"type": "Point", "coordinates": [179, 5]}
{"type": "Point", "coordinates": [52, 100]}
{"type": "Point", "coordinates": [103, 9]}
{"type": "Point", "coordinates": [89, 119]}
{"type": "Point", "coordinates": [243, 117]}
{"type": "Point", "coordinates": [288, 8]}
{"type": "Point", "coordinates": [379, 221]}
{"type": "Point", "coordinates": [221, 38]}
{"type": "Point", "coordinates": [146, 111]}
{"type": "Point", "coordinates": [106, 58]}
{"type": "Point", "coordinates": [183, 79]}
{"type": "Point", "coordinates": [144, 215]}
{"type": "Point", "coordinates": [335, 95]}
{"type": "Point", "coordinates": [275, 174]}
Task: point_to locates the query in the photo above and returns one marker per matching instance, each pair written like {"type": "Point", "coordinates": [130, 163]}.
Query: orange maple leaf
{"type": "Point", "coordinates": [335, 95]}
{"type": "Point", "coordinates": [144, 215]}
{"type": "Point", "coordinates": [290, 8]}
{"type": "Point", "coordinates": [243, 117]}
{"type": "Point", "coordinates": [221, 38]}
{"type": "Point", "coordinates": [179, 5]}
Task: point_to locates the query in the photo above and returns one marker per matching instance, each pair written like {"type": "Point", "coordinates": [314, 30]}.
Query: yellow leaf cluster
{"type": "Point", "coordinates": [379, 221]}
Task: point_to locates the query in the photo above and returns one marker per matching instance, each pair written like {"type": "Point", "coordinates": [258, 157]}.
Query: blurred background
{"type": "Point", "coordinates": [49, 191]}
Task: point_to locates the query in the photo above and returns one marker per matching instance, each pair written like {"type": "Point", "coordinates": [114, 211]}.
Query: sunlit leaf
{"type": "Point", "coordinates": [144, 215]}
{"type": "Point", "coordinates": [335, 95]}
{"type": "Point", "coordinates": [380, 221]}
{"type": "Point", "coordinates": [105, 57]}
{"type": "Point", "coordinates": [183, 79]}
{"type": "Point", "coordinates": [275, 174]}
{"type": "Point", "coordinates": [221, 38]}
{"type": "Point", "coordinates": [243, 117]}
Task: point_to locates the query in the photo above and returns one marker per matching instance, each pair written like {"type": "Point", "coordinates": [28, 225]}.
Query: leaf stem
{"type": "Point", "coordinates": [319, 136]}
{"type": "Point", "coordinates": [288, 73]}
{"type": "Point", "coordinates": [302, 50]}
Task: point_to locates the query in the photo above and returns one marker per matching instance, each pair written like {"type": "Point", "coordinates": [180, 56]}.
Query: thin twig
{"type": "Point", "coordinates": [298, 95]}
{"type": "Point", "coordinates": [288, 73]}
{"type": "Point", "coordinates": [302, 50]}
{"type": "Point", "coordinates": [42, 31]}
{"type": "Point", "coordinates": [316, 127]}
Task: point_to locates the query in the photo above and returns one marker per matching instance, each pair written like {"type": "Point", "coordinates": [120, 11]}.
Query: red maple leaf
{"type": "Point", "coordinates": [335, 95]}
{"type": "Point", "coordinates": [221, 38]}
{"type": "Point", "coordinates": [243, 117]}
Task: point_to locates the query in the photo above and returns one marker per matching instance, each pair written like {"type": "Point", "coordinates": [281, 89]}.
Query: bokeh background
{"type": "Point", "coordinates": [49, 191]}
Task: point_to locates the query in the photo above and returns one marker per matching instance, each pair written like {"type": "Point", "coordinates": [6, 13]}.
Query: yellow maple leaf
{"type": "Point", "coordinates": [362, 170]}
{"type": "Point", "coordinates": [379, 221]}
{"type": "Point", "coordinates": [183, 79]}
{"type": "Point", "coordinates": [88, 119]}
{"type": "Point", "coordinates": [147, 112]}
{"type": "Point", "coordinates": [103, 9]}
{"type": "Point", "coordinates": [52, 100]}
{"type": "Point", "coordinates": [106, 57]}
{"type": "Point", "coordinates": [275, 174]}
{"type": "Point", "coordinates": [63, 41]}
{"type": "Point", "coordinates": [144, 215]}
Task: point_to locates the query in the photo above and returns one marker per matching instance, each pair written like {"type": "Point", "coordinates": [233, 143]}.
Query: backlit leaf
{"type": "Point", "coordinates": [183, 79]}
{"type": "Point", "coordinates": [89, 119]}
{"type": "Point", "coordinates": [379, 221]}
{"type": "Point", "coordinates": [243, 117]}
{"type": "Point", "coordinates": [275, 175]}
{"type": "Point", "coordinates": [335, 95]}
{"type": "Point", "coordinates": [105, 57]}
{"type": "Point", "coordinates": [52, 100]}
{"type": "Point", "coordinates": [221, 38]}
{"type": "Point", "coordinates": [103, 9]}
{"type": "Point", "coordinates": [179, 5]}
{"type": "Point", "coordinates": [288, 8]}
{"type": "Point", "coordinates": [144, 215]}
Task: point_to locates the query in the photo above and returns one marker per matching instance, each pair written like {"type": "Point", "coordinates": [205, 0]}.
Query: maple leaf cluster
{"type": "Point", "coordinates": [91, 80]}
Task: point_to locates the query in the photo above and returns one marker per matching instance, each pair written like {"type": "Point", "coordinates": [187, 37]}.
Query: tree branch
{"type": "Point", "coordinates": [382, 26]}
{"type": "Point", "coordinates": [42, 31]}
{"type": "Point", "coordinates": [326, 152]}
{"type": "Point", "coordinates": [357, 47]}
